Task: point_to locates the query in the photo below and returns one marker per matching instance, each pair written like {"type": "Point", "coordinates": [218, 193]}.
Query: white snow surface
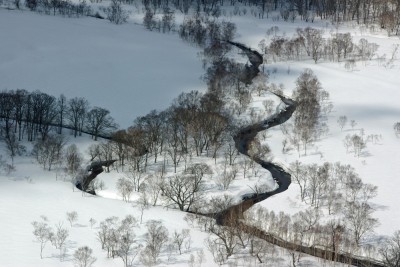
{"type": "Point", "coordinates": [122, 68]}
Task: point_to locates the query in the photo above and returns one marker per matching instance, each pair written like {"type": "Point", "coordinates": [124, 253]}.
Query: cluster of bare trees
{"type": "Point", "coordinates": [330, 185]}
{"type": "Point", "coordinates": [193, 124]}
{"type": "Point", "coordinates": [117, 237]}
{"type": "Point", "coordinates": [339, 190]}
{"type": "Point", "coordinates": [34, 114]}
{"type": "Point", "coordinates": [182, 190]}
{"type": "Point", "coordinates": [83, 257]}
{"type": "Point", "coordinates": [52, 152]}
{"type": "Point", "coordinates": [356, 142]}
{"type": "Point", "coordinates": [384, 13]}
{"type": "Point", "coordinates": [45, 233]}
{"type": "Point", "coordinates": [390, 251]}
{"type": "Point", "coordinates": [308, 121]}
{"type": "Point", "coordinates": [226, 242]}
{"type": "Point", "coordinates": [164, 24]}
{"type": "Point", "coordinates": [49, 152]}
{"type": "Point", "coordinates": [116, 13]}
{"type": "Point", "coordinates": [200, 30]}
{"type": "Point", "coordinates": [185, 190]}
{"type": "Point", "coordinates": [40, 118]}
{"type": "Point", "coordinates": [308, 228]}
{"type": "Point", "coordinates": [309, 43]}
{"type": "Point", "coordinates": [61, 7]}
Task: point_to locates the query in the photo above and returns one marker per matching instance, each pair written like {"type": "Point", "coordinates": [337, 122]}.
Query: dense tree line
{"type": "Point", "coordinates": [385, 14]}
{"type": "Point", "coordinates": [34, 115]}
{"type": "Point", "coordinates": [308, 122]}
{"type": "Point", "coordinates": [194, 123]}
{"type": "Point", "coordinates": [309, 43]}
{"type": "Point", "coordinates": [61, 7]}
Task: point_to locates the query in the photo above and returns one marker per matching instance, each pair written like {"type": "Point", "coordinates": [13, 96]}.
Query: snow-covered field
{"type": "Point", "coordinates": [122, 68]}
{"type": "Point", "coordinates": [369, 95]}
{"type": "Point", "coordinates": [130, 71]}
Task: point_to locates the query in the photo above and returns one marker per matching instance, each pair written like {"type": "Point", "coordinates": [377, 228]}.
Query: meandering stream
{"type": "Point", "coordinates": [243, 140]}
{"type": "Point", "coordinates": [245, 137]}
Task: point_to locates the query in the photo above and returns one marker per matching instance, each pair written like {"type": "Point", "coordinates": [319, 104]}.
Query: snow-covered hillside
{"type": "Point", "coordinates": [122, 68]}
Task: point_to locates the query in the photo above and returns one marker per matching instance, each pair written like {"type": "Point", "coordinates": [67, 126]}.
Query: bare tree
{"type": "Point", "coordinates": [13, 147]}
{"type": "Point", "coordinates": [390, 251]}
{"type": "Point", "coordinates": [61, 107]}
{"type": "Point", "coordinates": [299, 177]}
{"type": "Point", "coordinates": [92, 222]}
{"type": "Point", "coordinates": [99, 122]}
{"type": "Point", "coordinates": [83, 257]}
{"type": "Point", "coordinates": [127, 250]}
{"type": "Point", "coordinates": [185, 189]}
{"type": "Point", "coordinates": [156, 238]}
{"type": "Point", "coordinates": [143, 204]}
{"type": "Point", "coordinates": [136, 177]}
{"type": "Point", "coordinates": [358, 144]}
{"type": "Point", "coordinates": [365, 49]}
{"type": "Point", "coordinates": [225, 177]}
{"type": "Point", "coordinates": [182, 190]}
{"type": "Point", "coordinates": [105, 152]}
{"type": "Point", "coordinates": [149, 21]}
{"type": "Point", "coordinates": [260, 248]}
{"type": "Point", "coordinates": [137, 152]}
{"type": "Point", "coordinates": [125, 187]}
{"type": "Point", "coordinates": [359, 220]}
{"type": "Point", "coordinates": [102, 234]}
{"type": "Point", "coordinates": [109, 235]}
{"type": "Point", "coordinates": [342, 120]}
{"type": "Point", "coordinates": [76, 114]}
{"type": "Point", "coordinates": [312, 41]}
{"type": "Point", "coordinates": [225, 237]}
{"type": "Point", "coordinates": [178, 238]}
{"type": "Point", "coordinates": [94, 151]}
{"type": "Point", "coordinates": [73, 159]}
{"type": "Point", "coordinates": [59, 238]}
{"type": "Point", "coordinates": [347, 142]}
{"type": "Point", "coordinates": [116, 13]}
{"type": "Point", "coordinates": [42, 233]}
{"type": "Point", "coordinates": [269, 105]}
{"type": "Point", "coordinates": [49, 151]}
{"type": "Point", "coordinates": [31, 4]}
{"type": "Point", "coordinates": [307, 115]}
{"type": "Point", "coordinates": [168, 20]}
{"type": "Point", "coordinates": [153, 186]}
{"type": "Point", "coordinates": [353, 124]}
{"type": "Point", "coordinates": [396, 128]}
{"type": "Point", "coordinates": [216, 250]}
{"type": "Point", "coordinates": [154, 125]}
{"type": "Point", "coordinates": [72, 217]}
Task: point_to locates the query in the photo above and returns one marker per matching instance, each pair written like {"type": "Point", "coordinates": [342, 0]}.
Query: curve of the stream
{"type": "Point", "coordinates": [243, 139]}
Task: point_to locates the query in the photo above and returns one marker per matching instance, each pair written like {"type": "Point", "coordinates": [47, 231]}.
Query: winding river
{"type": "Point", "coordinates": [245, 137]}
{"type": "Point", "coordinates": [243, 140]}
